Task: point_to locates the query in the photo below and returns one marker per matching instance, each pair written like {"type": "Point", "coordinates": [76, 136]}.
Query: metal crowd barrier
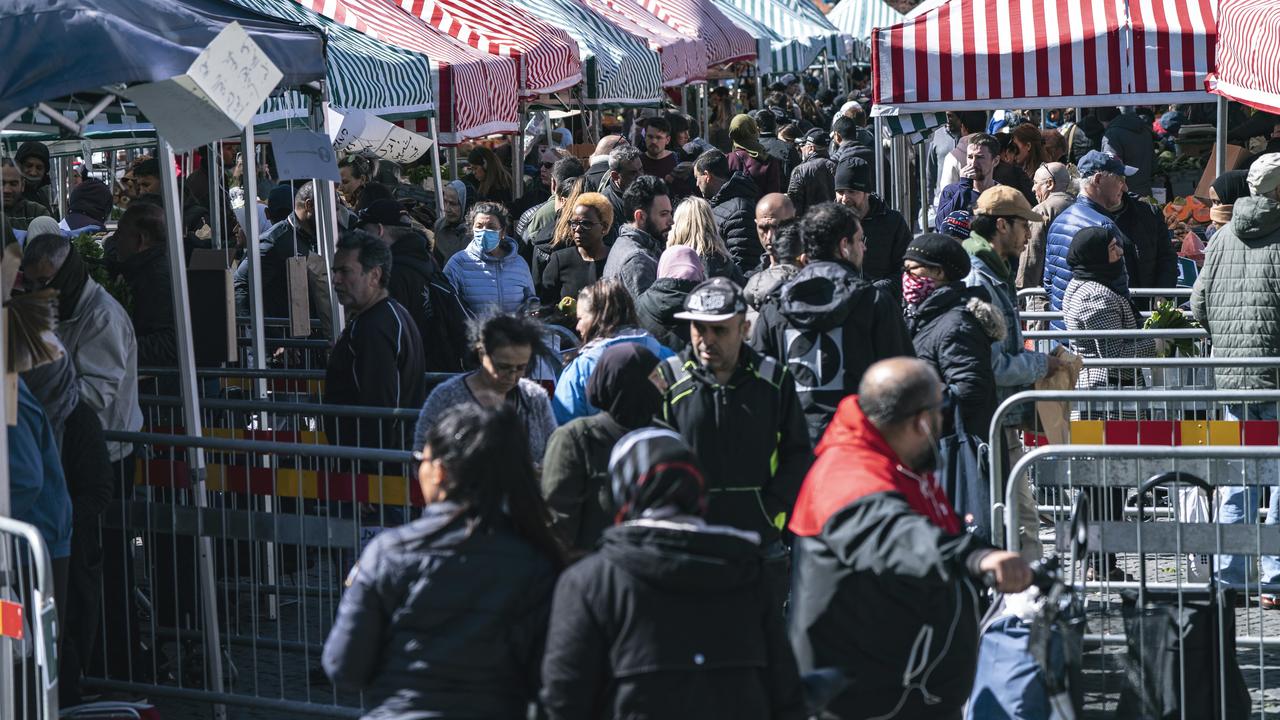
{"type": "Point", "coordinates": [28, 625]}
{"type": "Point", "coordinates": [285, 522]}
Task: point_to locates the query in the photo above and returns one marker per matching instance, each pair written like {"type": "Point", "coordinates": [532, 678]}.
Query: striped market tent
{"type": "Point", "coordinates": [1248, 53]}
{"type": "Point", "coordinates": [760, 33]}
{"type": "Point", "coordinates": [684, 58]}
{"type": "Point", "coordinates": [990, 54]}
{"type": "Point", "coordinates": [548, 58]}
{"type": "Point", "coordinates": [363, 73]}
{"type": "Point", "coordinates": [790, 22]}
{"type": "Point", "coordinates": [859, 17]}
{"type": "Point", "coordinates": [725, 41]}
{"type": "Point", "coordinates": [619, 68]}
{"type": "Point", "coordinates": [476, 91]}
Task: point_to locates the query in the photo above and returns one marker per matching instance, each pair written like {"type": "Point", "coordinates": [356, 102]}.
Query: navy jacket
{"type": "Point", "coordinates": [442, 621]}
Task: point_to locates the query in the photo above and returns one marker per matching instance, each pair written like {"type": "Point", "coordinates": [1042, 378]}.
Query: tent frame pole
{"type": "Point", "coordinates": [435, 165]}
{"type": "Point", "coordinates": [517, 159]}
{"type": "Point", "coordinates": [327, 224]}
{"type": "Point", "coordinates": [759, 89]}
{"type": "Point", "coordinates": [192, 417]}
{"type": "Point", "coordinates": [213, 154]}
{"type": "Point", "coordinates": [704, 109]}
{"type": "Point", "coordinates": [879, 156]}
{"type": "Point", "coordinates": [1220, 159]}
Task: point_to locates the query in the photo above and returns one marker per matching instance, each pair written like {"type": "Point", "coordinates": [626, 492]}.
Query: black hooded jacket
{"type": "Point", "coordinates": [413, 270]}
{"type": "Point", "coordinates": [147, 274]}
{"type": "Point", "coordinates": [1157, 263]}
{"type": "Point", "coordinates": [734, 207]}
{"type": "Point", "coordinates": [953, 330]}
{"type": "Point", "coordinates": [656, 309]}
{"type": "Point", "coordinates": [669, 620]}
{"type": "Point", "coordinates": [829, 325]}
{"type": "Point", "coordinates": [888, 236]}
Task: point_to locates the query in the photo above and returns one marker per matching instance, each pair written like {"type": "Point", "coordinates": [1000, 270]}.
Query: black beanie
{"type": "Point", "coordinates": [853, 173]}
{"type": "Point", "coordinates": [29, 148]}
{"type": "Point", "coordinates": [941, 251]}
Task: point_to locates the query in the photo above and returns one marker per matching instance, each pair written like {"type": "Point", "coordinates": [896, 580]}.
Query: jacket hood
{"type": "Point", "coordinates": [822, 294]}
{"type": "Point", "coordinates": [739, 185]}
{"type": "Point", "coordinates": [875, 206]}
{"type": "Point", "coordinates": [1129, 122]}
{"type": "Point", "coordinates": [411, 246]}
{"type": "Point", "coordinates": [707, 558]}
{"type": "Point", "coordinates": [989, 317]}
{"type": "Point", "coordinates": [666, 295]}
{"type": "Point", "coordinates": [1256, 218]}
{"type": "Point", "coordinates": [855, 461]}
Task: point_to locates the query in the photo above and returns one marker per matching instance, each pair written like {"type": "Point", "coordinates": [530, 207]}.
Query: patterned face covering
{"type": "Point", "coordinates": [916, 289]}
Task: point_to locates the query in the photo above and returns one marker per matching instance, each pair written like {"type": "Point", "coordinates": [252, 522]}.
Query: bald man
{"type": "Point", "coordinates": [771, 210]}
{"type": "Point", "coordinates": [599, 166]}
{"type": "Point", "coordinates": [881, 560]}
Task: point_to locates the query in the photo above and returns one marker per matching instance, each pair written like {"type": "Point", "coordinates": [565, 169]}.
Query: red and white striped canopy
{"type": "Point", "coordinates": [983, 54]}
{"type": "Point", "coordinates": [684, 57]}
{"type": "Point", "coordinates": [477, 91]}
{"type": "Point", "coordinates": [726, 42]}
{"type": "Point", "coordinates": [548, 57]}
{"type": "Point", "coordinates": [1249, 53]}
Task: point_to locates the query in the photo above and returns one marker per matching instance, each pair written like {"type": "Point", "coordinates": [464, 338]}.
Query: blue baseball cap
{"type": "Point", "coordinates": [1096, 161]}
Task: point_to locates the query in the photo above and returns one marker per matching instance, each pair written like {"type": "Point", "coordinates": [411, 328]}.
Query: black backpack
{"type": "Point", "coordinates": [445, 319]}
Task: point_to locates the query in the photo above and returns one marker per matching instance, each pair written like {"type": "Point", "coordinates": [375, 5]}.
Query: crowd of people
{"type": "Point", "coordinates": [686, 459]}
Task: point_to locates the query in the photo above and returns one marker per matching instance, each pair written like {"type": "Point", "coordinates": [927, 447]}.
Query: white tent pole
{"type": "Point", "coordinates": [517, 159]}
{"type": "Point", "coordinates": [435, 164]}
{"type": "Point", "coordinates": [878, 146]}
{"type": "Point", "coordinates": [191, 416]}
{"type": "Point", "coordinates": [327, 225]}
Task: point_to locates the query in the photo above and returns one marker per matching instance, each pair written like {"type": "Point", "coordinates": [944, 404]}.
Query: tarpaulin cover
{"type": "Point", "coordinates": [986, 54]}
{"type": "Point", "coordinates": [684, 57]}
{"type": "Point", "coordinates": [1249, 53]}
{"type": "Point", "coordinates": [476, 92]}
{"type": "Point", "coordinates": [789, 21]}
{"type": "Point", "coordinates": [726, 42]}
{"type": "Point", "coordinates": [54, 48]}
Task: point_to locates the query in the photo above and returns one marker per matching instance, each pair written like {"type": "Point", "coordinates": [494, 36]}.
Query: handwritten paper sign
{"type": "Point", "coordinates": [216, 97]}
{"type": "Point", "coordinates": [362, 133]}
{"type": "Point", "coordinates": [302, 154]}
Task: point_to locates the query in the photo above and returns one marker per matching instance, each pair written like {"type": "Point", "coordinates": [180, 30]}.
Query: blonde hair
{"type": "Point", "coordinates": [694, 225]}
{"type": "Point", "coordinates": [562, 236]}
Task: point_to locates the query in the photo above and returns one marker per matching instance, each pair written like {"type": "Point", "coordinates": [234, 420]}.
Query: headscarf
{"type": "Point", "coordinates": [655, 475]}
{"type": "Point", "coordinates": [746, 136]}
{"type": "Point", "coordinates": [69, 281]}
{"type": "Point", "coordinates": [682, 263]}
{"type": "Point", "coordinates": [620, 385]}
{"type": "Point", "coordinates": [1229, 187]}
{"type": "Point", "coordinates": [1087, 258]}
{"type": "Point", "coordinates": [43, 225]}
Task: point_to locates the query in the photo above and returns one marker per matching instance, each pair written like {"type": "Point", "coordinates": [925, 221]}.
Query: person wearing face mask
{"type": "Point", "coordinates": [673, 616]}
{"type": "Point", "coordinates": [952, 327]}
{"type": "Point", "coordinates": [1102, 187]}
{"type": "Point", "coordinates": [451, 234]}
{"type": "Point", "coordinates": [829, 322]}
{"type": "Point", "coordinates": [1223, 193]}
{"type": "Point", "coordinates": [885, 575]}
{"type": "Point", "coordinates": [575, 472]}
{"type": "Point", "coordinates": [489, 274]}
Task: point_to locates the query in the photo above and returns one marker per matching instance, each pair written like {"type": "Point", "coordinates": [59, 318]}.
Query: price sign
{"type": "Point", "coordinates": [302, 154]}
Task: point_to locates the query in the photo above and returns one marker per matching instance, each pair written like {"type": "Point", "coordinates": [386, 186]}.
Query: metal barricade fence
{"type": "Point", "coordinates": [286, 521]}
{"type": "Point", "coordinates": [1026, 296]}
{"type": "Point", "coordinates": [1179, 552]}
{"type": "Point", "coordinates": [28, 625]}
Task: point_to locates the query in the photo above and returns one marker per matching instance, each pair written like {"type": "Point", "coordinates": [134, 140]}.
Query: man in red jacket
{"type": "Point", "coordinates": [882, 579]}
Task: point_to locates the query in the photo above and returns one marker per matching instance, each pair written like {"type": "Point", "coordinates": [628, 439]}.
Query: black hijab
{"type": "Point", "coordinates": [1087, 258]}
{"type": "Point", "coordinates": [69, 281]}
{"type": "Point", "coordinates": [1231, 186]}
{"type": "Point", "coordinates": [619, 385]}
{"type": "Point", "coordinates": [655, 474]}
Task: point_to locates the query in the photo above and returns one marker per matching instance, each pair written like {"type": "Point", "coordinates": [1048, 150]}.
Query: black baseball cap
{"type": "Point", "coordinates": [383, 212]}
{"type": "Point", "coordinates": [715, 300]}
{"type": "Point", "coordinates": [817, 136]}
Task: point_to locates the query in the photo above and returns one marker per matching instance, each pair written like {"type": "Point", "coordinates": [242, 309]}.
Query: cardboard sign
{"type": "Point", "coordinates": [299, 297]}
{"type": "Point", "coordinates": [211, 293]}
{"type": "Point", "coordinates": [302, 155]}
{"type": "Point", "coordinates": [1236, 156]}
{"type": "Point", "coordinates": [362, 133]}
{"type": "Point", "coordinates": [217, 95]}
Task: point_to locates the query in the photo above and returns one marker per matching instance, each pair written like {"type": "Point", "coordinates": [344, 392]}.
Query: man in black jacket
{"type": "Point", "coordinates": [739, 411]}
{"type": "Point", "coordinates": [884, 571]}
{"type": "Point", "coordinates": [784, 151]}
{"type": "Point", "coordinates": [140, 253]}
{"type": "Point", "coordinates": [1157, 262]}
{"type": "Point", "coordinates": [828, 324]}
{"type": "Point", "coordinates": [813, 181]}
{"type": "Point", "coordinates": [295, 236]}
{"type": "Point", "coordinates": [886, 231]}
{"type": "Point", "coordinates": [377, 360]}
{"type": "Point", "coordinates": [418, 284]}
{"type": "Point", "coordinates": [733, 197]}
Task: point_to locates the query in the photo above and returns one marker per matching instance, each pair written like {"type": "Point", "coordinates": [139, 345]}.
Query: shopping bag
{"type": "Point", "coordinates": [1055, 417]}
{"type": "Point", "coordinates": [964, 472]}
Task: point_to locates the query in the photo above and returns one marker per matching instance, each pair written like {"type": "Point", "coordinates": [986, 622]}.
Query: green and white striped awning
{"type": "Point", "coordinates": [363, 73]}
{"type": "Point", "coordinates": [619, 68]}
{"type": "Point", "coordinates": [859, 17]}
{"type": "Point", "coordinates": [800, 38]}
{"type": "Point", "coordinates": [915, 125]}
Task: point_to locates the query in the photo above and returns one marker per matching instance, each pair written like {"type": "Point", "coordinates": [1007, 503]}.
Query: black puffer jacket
{"type": "Point", "coordinates": [953, 329]}
{"type": "Point", "coordinates": [812, 182]}
{"type": "Point", "coordinates": [656, 311]}
{"type": "Point", "coordinates": [413, 269]}
{"type": "Point", "coordinates": [784, 151]}
{"type": "Point", "coordinates": [734, 206]}
{"type": "Point", "coordinates": [888, 236]}
{"type": "Point", "coordinates": [437, 621]}
{"type": "Point", "coordinates": [669, 620]}
{"type": "Point", "coordinates": [829, 325]}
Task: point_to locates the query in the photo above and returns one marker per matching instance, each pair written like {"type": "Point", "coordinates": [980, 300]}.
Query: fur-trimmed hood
{"type": "Point", "coordinates": [989, 317]}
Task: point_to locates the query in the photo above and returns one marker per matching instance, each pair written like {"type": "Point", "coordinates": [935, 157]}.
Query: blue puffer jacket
{"type": "Point", "coordinates": [484, 281]}
{"type": "Point", "coordinates": [1081, 214]}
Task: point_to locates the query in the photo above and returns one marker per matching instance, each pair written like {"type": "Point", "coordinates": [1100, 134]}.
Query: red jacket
{"type": "Point", "coordinates": [854, 461]}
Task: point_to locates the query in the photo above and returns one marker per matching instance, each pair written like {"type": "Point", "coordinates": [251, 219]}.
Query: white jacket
{"type": "Point", "coordinates": [99, 337]}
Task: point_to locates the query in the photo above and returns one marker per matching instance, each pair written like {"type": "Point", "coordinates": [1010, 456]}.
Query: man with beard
{"type": "Point", "coordinates": [982, 154]}
{"type": "Point", "coordinates": [32, 159]}
{"type": "Point", "coordinates": [884, 571]}
{"type": "Point", "coordinates": [886, 231]}
{"type": "Point", "coordinates": [634, 257]}
{"type": "Point", "coordinates": [18, 210]}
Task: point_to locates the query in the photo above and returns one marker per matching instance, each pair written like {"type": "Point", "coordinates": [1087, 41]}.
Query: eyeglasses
{"type": "Point", "coordinates": [584, 224]}
{"type": "Point", "coordinates": [547, 165]}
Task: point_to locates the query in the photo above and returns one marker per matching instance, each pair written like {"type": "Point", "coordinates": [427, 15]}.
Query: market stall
{"type": "Point", "coordinates": [684, 58]}
{"type": "Point", "coordinates": [1248, 67]}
